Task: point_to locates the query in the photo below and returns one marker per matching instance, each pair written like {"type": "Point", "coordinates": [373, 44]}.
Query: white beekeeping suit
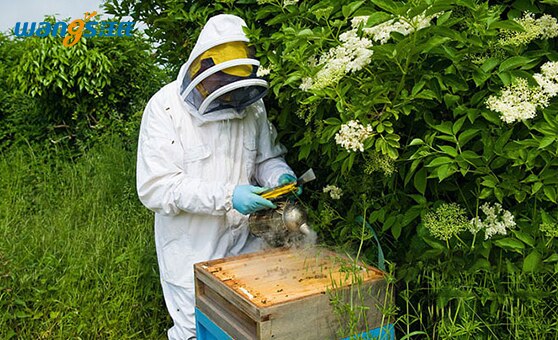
{"type": "Point", "coordinates": [203, 138]}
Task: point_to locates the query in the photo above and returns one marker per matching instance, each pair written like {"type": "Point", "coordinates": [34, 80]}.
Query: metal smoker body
{"type": "Point", "coordinates": [284, 226]}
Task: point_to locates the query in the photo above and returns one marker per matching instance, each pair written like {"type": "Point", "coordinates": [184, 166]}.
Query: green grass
{"type": "Point", "coordinates": [481, 305]}
{"type": "Point", "coordinates": [77, 258]}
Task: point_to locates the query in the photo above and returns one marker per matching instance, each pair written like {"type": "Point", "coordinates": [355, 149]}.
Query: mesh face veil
{"type": "Point", "coordinates": [224, 77]}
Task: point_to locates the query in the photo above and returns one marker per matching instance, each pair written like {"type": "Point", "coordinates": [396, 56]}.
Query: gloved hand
{"type": "Point", "coordinates": [288, 178]}
{"type": "Point", "coordinates": [245, 199]}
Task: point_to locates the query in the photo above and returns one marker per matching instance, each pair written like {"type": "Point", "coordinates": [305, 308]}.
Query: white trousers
{"type": "Point", "coordinates": [181, 302]}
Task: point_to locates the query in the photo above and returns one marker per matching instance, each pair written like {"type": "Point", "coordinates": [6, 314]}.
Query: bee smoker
{"type": "Point", "coordinates": [280, 227]}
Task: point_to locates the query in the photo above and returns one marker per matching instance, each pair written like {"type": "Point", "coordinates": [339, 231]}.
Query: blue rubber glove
{"type": "Point", "coordinates": [288, 178]}
{"type": "Point", "coordinates": [245, 199]}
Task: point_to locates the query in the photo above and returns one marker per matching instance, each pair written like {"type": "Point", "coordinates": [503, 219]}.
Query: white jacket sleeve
{"type": "Point", "coordinates": [270, 164]}
{"type": "Point", "coordinates": [162, 185]}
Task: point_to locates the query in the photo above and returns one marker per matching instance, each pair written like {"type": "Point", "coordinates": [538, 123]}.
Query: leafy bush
{"type": "Point", "coordinates": [77, 92]}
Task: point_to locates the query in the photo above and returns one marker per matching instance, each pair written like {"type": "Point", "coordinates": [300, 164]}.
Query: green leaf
{"type": "Point", "coordinates": [457, 125]}
{"type": "Point", "coordinates": [443, 18]}
{"type": "Point", "coordinates": [445, 127]}
{"type": "Point", "coordinates": [450, 150]}
{"type": "Point", "coordinates": [526, 238]}
{"type": "Point", "coordinates": [349, 9]}
{"type": "Point", "coordinates": [536, 187]}
{"type": "Point", "coordinates": [502, 140]}
{"type": "Point", "coordinates": [396, 230]}
{"type": "Point", "coordinates": [489, 182]}
{"type": "Point", "coordinates": [389, 223]}
{"type": "Point", "coordinates": [444, 171]}
{"type": "Point", "coordinates": [333, 121]}
{"type": "Point", "coordinates": [511, 25]}
{"type": "Point", "coordinates": [532, 262]}
{"type": "Point", "coordinates": [305, 33]}
{"type": "Point", "coordinates": [481, 264]}
{"type": "Point", "coordinates": [489, 64]}
{"type": "Point", "coordinates": [499, 194]}
{"type": "Point", "coordinates": [450, 99]}
{"type": "Point", "coordinates": [510, 244]}
{"type": "Point", "coordinates": [377, 18]}
{"type": "Point", "coordinates": [434, 243]}
{"type": "Point", "coordinates": [434, 42]}
{"type": "Point", "coordinates": [466, 136]}
{"type": "Point", "coordinates": [386, 5]}
{"type": "Point", "coordinates": [480, 77]}
{"type": "Point", "coordinates": [431, 254]}
{"type": "Point", "coordinates": [546, 141]}
{"type": "Point", "coordinates": [491, 116]}
{"type": "Point", "coordinates": [420, 181]}
{"type": "Point", "coordinates": [514, 62]}
{"type": "Point", "coordinates": [411, 214]}
{"type": "Point", "coordinates": [550, 192]}
{"type": "Point", "coordinates": [427, 94]}
{"type": "Point", "coordinates": [551, 258]}
{"type": "Point", "coordinates": [418, 86]}
{"type": "Point", "coordinates": [416, 141]}
{"type": "Point", "coordinates": [439, 161]}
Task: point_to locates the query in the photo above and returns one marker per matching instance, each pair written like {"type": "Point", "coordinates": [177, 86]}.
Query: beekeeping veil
{"type": "Point", "coordinates": [219, 79]}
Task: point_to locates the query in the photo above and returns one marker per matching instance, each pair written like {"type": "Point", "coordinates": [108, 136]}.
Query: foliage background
{"type": "Point", "coordinates": [434, 142]}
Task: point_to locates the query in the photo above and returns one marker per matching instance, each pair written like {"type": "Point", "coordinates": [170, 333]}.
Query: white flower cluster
{"type": "Point", "coordinates": [354, 52]}
{"type": "Point", "coordinates": [351, 136]}
{"type": "Point", "coordinates": [549, 26]}
{"type": "Point", "coordinates": [548, 78]}
{"type": "Point", "coordinates": [497, 221]}
{"type": "Point", "coordinates": [352, 55]}
{"type": "Point", "coordinates": [405, 26]}
{"type": "Point", "coordinates": [262, 71]}
{"type": "Point", "coordinates": [289, 2]}
{"type": "Point", "coordinates": [334, 191]}
{"type": "Point", "coordinates": [518, 101]}
{"type": "Point", "coordinates": [545, 27]}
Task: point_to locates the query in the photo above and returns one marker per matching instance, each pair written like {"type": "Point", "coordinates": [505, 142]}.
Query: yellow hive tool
{"type": "Point", "coordinates": [285, 189]}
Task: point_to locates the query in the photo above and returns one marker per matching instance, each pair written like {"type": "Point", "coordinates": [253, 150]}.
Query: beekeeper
{"type": "Point", "coordinates": [206, 149]}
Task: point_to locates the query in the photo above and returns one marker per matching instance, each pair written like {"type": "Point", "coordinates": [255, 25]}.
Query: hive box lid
{"type": "Point", "coordinates": [277, 276]}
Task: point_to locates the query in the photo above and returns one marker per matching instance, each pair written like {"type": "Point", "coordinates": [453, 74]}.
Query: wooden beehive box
{"type": "Point", "coordinates": [287, 294]}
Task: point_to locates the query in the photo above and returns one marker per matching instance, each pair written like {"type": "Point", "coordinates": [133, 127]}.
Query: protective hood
{"type": "Point", "coordinates": [219, 79]}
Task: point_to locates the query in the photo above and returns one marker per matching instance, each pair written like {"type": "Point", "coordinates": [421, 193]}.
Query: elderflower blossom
{"type": "Point", "coordinates": [306, 84]}
{"type": "Point", "coordinates": [497, 221]}
{"type": "Point", "coordinates": [262, 71]}
{"type": "Point", "coordinates": [545, 27]}
{"type": "Point", "coordinates": [351, 136]}
{"type": "Point", "coordinates": [446, 221]}
{"type": "Point", "coordinates": [352, 55]}
{"type": "Point", "coordinates": [289, 2]}
{"type": "Point", "coordinates": [518, 101]}
{"type": "Point", "coordinates": [379, 163]}
{"type": "Point", "coordinates": [549, 26]}
{"type": "Point", "coordinates": [548, 78]}
{"type": "Point", "coordinates": [356, 21]}
{"type": "Point", "coordinates": [382, 32]}
{"type": "Point", "coordinates": [549, 229]}
{"type": "Point", "coordinates": [334, 191]}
